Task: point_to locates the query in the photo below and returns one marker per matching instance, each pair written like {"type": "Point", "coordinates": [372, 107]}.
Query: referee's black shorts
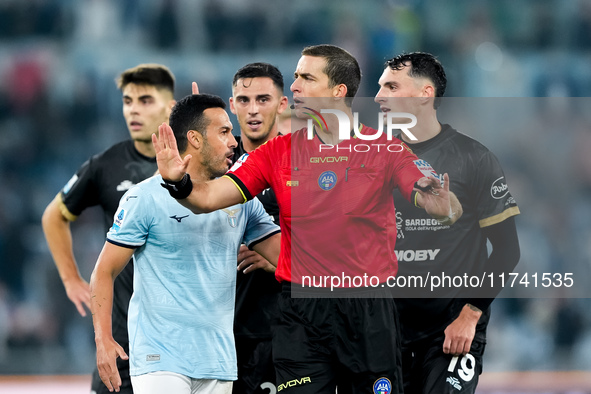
{"type": "Point", "coordinates": [350, 342]}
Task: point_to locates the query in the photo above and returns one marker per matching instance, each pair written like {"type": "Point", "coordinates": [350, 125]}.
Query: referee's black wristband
{"type": "Point", "coordinates": [180, 189]}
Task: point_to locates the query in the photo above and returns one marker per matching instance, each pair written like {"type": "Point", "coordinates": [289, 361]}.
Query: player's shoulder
{"type": "Point", "coordinates": [280, 139]}
{"type": "Point", "coordinates": [119, 150]}
{"type": "Point", "coordinates": [152, 184]}
{"type": "Point", "coordinates": [275, 146]}
{"type": "Point", "coordinates": [464, 142]}
{"type": "Point", "coordinates": [150, 187]}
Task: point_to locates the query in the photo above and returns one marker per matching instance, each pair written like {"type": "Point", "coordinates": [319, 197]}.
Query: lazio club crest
{"type": "Point", "coordinates": [232, 219]}
{"type": "Point", "coordinates": [327, 180]}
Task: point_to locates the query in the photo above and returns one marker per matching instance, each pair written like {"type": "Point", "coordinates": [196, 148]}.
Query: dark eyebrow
{"type": "Point", "coordinates": [261, 96]}
{"type": "Point", "coordinates": [144, 97]}
{"type": "Point", "coordinates": [303, 75]}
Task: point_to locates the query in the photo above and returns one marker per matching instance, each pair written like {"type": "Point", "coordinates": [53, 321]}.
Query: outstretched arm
{"type": "Point", "coordinates": [437, 200]}
{"type": "Point", "coordinates": [58, 234]}
{"type": "Point", "coordinates": [109, 264]}
{"type": "Point", "coordinates": [205, 196]}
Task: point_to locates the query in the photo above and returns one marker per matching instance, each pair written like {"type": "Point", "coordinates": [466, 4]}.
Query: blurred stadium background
{"type": "Point", "coordinates": [59, 105]}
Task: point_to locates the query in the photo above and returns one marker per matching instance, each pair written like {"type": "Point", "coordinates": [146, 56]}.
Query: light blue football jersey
{"type": "Point", "coordinates": [182, 309]}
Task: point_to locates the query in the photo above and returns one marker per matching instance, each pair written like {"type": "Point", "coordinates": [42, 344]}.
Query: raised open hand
{"type": "Point", "coordinates": [170, 164]}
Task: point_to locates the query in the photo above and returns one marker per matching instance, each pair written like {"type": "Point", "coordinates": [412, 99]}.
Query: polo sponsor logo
{"type": "Point", "coordinates": [327, 180]}
{"type": "Point", "coordinates": [294, 382]}
{"type": "Point", "coordinates": [417, 255]}
{"type": "Point", "coordinates": [328, 159]}
{"type": "Point", "coordinates": [499, 188]}
{"type": "Point", "coordinates": [382, 386]}
{"type": "Point", "coordinates": [153, 357]}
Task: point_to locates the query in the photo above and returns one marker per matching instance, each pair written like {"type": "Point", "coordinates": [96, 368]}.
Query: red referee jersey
{"type": "Point", "coordinates": [336, 208]}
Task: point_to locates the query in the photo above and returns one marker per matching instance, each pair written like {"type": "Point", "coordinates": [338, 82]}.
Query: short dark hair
{"type": "Point", "coordinates": [422, 65]}
{"type": "Point", "coordinates": [256, 70]}
{"type": "Point", "coordinates": [341, 67]}
{"type": "Point", "coordinates": [187, 114]}
{"type": "Point", "coordinates": [150, 74]}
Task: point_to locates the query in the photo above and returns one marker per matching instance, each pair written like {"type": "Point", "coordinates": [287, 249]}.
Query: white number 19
{"type": "Point", "coordinates": [467, 365]}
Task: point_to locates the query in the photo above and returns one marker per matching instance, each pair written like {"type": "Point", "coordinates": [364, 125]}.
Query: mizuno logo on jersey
{"type": "Point", "coordinates": [179, 218]}
{"type": "Point", "coordinates": [416, 255]}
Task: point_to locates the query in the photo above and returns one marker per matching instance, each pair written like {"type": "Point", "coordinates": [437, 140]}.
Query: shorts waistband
{"type": "Point", "coordinates": [298, 291]}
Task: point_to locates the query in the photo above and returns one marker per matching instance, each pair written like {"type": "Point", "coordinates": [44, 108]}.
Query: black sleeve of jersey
{"type": "Point", "coordinates": [504, 257]}
{"type": "Point", "coordinates": [240, 185]}
{"type": "Point", "coordinates": [82, 193]}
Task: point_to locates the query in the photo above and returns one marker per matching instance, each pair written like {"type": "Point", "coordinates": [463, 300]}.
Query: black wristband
{"type": "Point", "coordinates": [421, 188]}
{"type": "Point", "coordinates": [180, 189]}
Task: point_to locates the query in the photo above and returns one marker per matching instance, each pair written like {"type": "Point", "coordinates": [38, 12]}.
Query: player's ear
{"type": "Point", "coordinates": [169, 107]}
{"type": "Point", "coordinates": [283, 103]}
{"type": "Point", "coordinates": [428, 90]}
{"type": "Point", "coordinates": [194, 138]}
{"type": "Point", "coordinates": [339, 91]}
{"type": "Point", "coordinates": [427, 94]}
{"type": "Point", "coordinates": [232, 109]}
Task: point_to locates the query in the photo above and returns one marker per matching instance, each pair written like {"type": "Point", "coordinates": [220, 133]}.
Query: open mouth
{"type": "Point", "coordinates": [254, 124]}
{"type": "Point", "coordinates": [134, 125]}
{"type": "Point", "coordinates": [229, 157]}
